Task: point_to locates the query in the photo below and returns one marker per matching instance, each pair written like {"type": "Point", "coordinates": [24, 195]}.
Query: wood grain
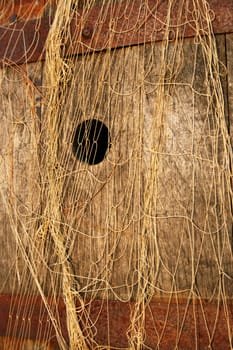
{"type": "Point", "coordinates": [186, 227]}
{"type": "Point", "coordinates": [19, 169]}
{"type": "Point", "coordinates": [184, 243]}
{"type": "Point", "coordinates": [229, 46]}
{"type": "Point", "coordinates": [101, 202]}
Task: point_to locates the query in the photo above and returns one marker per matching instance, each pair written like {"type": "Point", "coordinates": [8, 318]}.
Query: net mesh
{"type": "Point", "coordinates": [116, 175]}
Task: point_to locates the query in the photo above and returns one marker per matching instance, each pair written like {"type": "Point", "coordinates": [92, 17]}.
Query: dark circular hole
{"type": "Point", "coordinates": [91, 141]}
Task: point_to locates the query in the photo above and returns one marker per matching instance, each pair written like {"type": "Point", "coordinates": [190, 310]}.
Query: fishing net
{"type": "Point", "coordinates": [116, 176]}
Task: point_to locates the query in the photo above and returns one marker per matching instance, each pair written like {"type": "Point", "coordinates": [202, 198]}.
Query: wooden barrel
{"type": "Point", "coordinates": [116, 176]}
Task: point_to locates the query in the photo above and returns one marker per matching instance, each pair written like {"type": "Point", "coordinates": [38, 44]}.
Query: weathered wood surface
{"type": "Point", "coordinates": [229, 55]}
{"type": "Point", "coordinates": [191, 241]}
{"type": "Point", "coordinates": [106, 204]}
{"type": "Point", "coordinates": [19, 170]}
{"type": "Point", "coordinates": [102, 201]}
{"type": "Point", "coordinates": [229, 47]}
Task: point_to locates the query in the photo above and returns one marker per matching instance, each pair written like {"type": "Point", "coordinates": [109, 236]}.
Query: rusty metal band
{"type": "Point", "coordinates": [164, 320]}
{"type": "Point", "coordinates": [108, 27]}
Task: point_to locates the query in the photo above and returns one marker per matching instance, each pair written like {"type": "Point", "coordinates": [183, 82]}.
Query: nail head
{"type": "Point", "coordinates": [87, 32]}
{"type": "Point", "coordinates": [13, 18]}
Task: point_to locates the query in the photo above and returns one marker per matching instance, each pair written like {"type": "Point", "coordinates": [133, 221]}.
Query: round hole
{"type": "Point", "coordinates": [91, 141]}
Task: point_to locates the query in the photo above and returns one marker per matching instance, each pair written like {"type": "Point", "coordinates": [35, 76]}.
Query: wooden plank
{"type": "Point", "coordinates": [229, 53]}
{"type": "Point", "coordinates": [101, 202]}
{"type": "Point", "coordinates": [20, 102]}
{"type": "Point", "coordinates": [186, 233]}
{"type": "Point", "coordinates": [191, 237]}
{"type": "Point", "coordinates": [168, 324]}
{"type": "Point", "coordinates": [25, 41]}
{"type": "Point", "coordinates": [229, 48]}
